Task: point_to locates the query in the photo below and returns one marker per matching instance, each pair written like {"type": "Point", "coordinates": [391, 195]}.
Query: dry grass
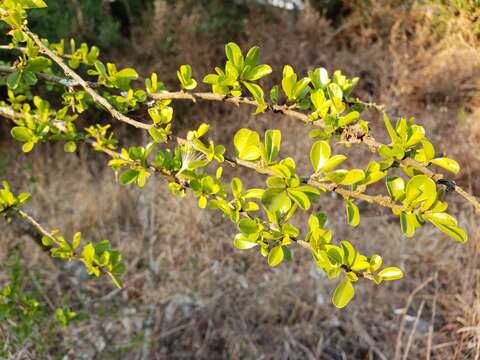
{"type": "Point", "coordinates": [189, 294]}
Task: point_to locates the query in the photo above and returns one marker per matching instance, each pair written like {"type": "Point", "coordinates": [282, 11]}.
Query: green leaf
{"type": "Point", "coordinates": [272, 144]}
{"type": "Point", "coordinates": [343, 294]}
{"type": "Point", "coordinates": [28, 146]}
{"type": "Point", "coordinates": [253, 56]}
{"type": "Point", "coordinates": [333, 162]}
{"type": "Point", "coordinates": [300, 198]}
{"type": "Point", "coordinates": [256, 91]}
{"type": "Point", "coordinates": [375, 263]}
{"type": "Point", "coordinates": [275, 256]}
{"type": "Point", "coordinates": [128, 73]}
{"type": "Point", "coordinates": [390, 274]}
{"type": "Point", "coordinates": [14, 79]}
{"type": "Point", "coordinates": [276, 200]}
{"type": "Point", "coordinates": [353, 214]}
{"type": "Point", "coordinates": [202, 202]}
{"type": "Point", "coordinates": [353, 176]}
{"type": "Point", "coordinates": [21, 133]}
{"type": "Point", "coordinates": [248, 226]}
{"type": "Point", "coordinates": [37, 64]}
{"type": "Point", "coordinates": [70, 147]}
{"type": "Point", "coordinates": [349, 253]}
{"type": "Point", "coordinates": [319, 155]}
{"type": "Point", "coordinates": [407, 224]}
{"type": "Point", "coordinates": [318, 99]}
{"type": "Point", "coordinates": [234, 55]}
{"type": "Point", "coordinates": [393, 134]}
{"type": "Point", "coordinates": [274, 94]}
{"type": "Point", "coordinates": [396, 187]}
{"type": "Point", "coordinates": [128, 177]}
{"type": "Point", "coordinates": [289, 81]}
{"type": "Point", "coordinates": [348, 119]}
{"type": "Point", "coordinates": [242, 242]}
{"type": "Point", "coordinates": [246, 143]}
{"type": "Point", "coordinates": [32, 4]}
{"type": "Point", "coordinates": [184, 75]}
{"type": "Point", "coordinates": [447, 224]}
{"type": "Point", "coordinates": [421, 189]}
{"type": "Point", "coordinates": [258, 72]}
{"type": "Point", "coordinates": [301, 88]}
{"type": "Point", "coordinates": [446, 163]}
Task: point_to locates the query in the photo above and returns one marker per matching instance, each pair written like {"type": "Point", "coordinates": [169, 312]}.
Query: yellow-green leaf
{"type": "Point", "coordinates": [343, 294]}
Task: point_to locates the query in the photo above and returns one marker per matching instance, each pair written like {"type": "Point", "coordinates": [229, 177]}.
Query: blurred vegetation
{"type": "Point", "coordinates": [101, 22]}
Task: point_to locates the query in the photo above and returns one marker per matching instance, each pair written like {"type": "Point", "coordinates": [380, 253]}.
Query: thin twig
{"type": "Point", "coordinates": [95, 96]}
{"type": "Point", "coordinates": [383, 201]}
{"type": "Point", "coordinates": [180, 95]}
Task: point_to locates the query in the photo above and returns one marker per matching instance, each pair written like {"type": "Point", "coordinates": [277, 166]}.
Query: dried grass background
{"type": "Point", "coordinates": [188, 293]}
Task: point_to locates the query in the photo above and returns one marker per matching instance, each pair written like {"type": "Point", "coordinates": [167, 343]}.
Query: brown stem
{"type": "Point", "coordinates": [366, 139]}
{"type": "Point", "coordinates": [95, 96]}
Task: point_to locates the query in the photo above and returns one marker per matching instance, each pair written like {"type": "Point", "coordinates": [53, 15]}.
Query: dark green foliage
{"type": "Point", "coordinates": [94, 21]}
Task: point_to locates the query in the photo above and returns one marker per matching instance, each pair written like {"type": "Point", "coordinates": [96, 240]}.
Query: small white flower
{"type": "Point", "coordinates": [189, 154]}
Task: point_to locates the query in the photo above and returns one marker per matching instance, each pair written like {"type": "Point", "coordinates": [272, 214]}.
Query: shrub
{"type": "Point", "coordinates": [263, 216]}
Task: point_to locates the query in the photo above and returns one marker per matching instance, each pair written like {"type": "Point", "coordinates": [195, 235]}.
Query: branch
{"type": "Point", "coordinates": [383, 201]}
{"type": "Point", "coordinates": [283, 109]}
{"type": "Point", "coordinates": [95, 96]}
{"type": "Point", "coordinates": [350, 135]}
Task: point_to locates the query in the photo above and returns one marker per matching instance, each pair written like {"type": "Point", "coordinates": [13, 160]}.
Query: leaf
{"type": "Point", "coordinates": [77, 238]}
{"type": "Point", "coordinates": [13, 80]}
{"type": "Point", "coordinates": [21, 133]}
{"type": "Point", "coordinates": [393, 134]}
{"type": "Point", "coordinates": [288, 81]}
{"type": "Point", "coordinates": [276, 200]}
{"type": "Point", "coordinates": [274, 94]}
{"type": "Point", "coordinates": [128, 73]}
{"type": "Point", "coordinates": [258, 72]}
{"type": "Point", "coordinates": [234, 55]}
{"type": "Point", "coordinates": [390, 274]}
{"type": "Point", "coordinates": [348, 119]}
{"type": "Point", "coordinates": [28, 146]}
{"type": "Point", "coordinates": [248, 226]}
{"type": "Point", "coordinates": [242, 242]}
{"type": "Point", "coordinates": [301, 88]}
{"type": "Point", "coordinates": [255, 90]}
{"type": "Point", "coordinates": [335, 91]}
{"type": "Point", "coordinates": [333, 162]}
{"type": "Point", "coordinates": [32, 4]}
{"type": "Point", "coordinates": [202, 202]}
{"type": "Point", "coordinates": [246, 144]}
{"type": "Point", "coordinates": [353, 176]}
{"type": "Point", "coordinates": [396, 187]}
{"type": "Point", "coordinates": [448, 224]}
{"type": "Point", "coordinates": [349, 253]}
{"type": "Point", "coordinates": [343, 294]}
{"type": "Point", "coordinates": [253, 56]}
{"type": "Point", "coordinates": [128, 177]}
{"type": "Point", "coordinates": [421, 189]}
{"type": "Point", "coordinates": [446, 163]}
{"type": "Point", "coordinates": [37, 64]}
{"type": "Point", "coordinates": [272, 144]}
{"type": "Point", "coordinates": [70, 147]}
{"type": "Point", "coordinates": [318, 99]}
{"type": "Point", "coordinates": [407, 224]}
{"type": "Point", "coordinates": [299, 198]}
{"type": "Point", "coordinates": [375, 263]}
{"type": "Point", "coordinates": [319, 155]}
{"type": "Point", "coordinates": [275, 256]}
{"type": "Point", "coordinates": [353, 214]}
